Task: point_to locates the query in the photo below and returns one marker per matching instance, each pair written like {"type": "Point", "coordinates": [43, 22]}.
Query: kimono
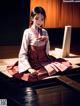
{"type": "Point", "coordinates": [34, 53]}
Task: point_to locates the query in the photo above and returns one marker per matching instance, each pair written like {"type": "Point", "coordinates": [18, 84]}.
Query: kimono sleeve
{"type": "Point", "coordinates": [47, 45]}
{"type": "Point", "coordinates": [23, 64]}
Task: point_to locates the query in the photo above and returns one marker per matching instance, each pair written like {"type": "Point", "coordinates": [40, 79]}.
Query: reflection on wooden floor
{"type": "Point", "coordinates": [58, 95]}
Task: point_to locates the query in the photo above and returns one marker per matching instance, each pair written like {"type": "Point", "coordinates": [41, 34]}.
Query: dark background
{"type": "Point", "coordinates": [14, 18]}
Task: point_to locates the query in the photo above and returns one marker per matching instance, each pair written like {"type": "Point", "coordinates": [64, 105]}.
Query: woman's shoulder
{"type": "Point", "coordinates": [44, 31]}
{"type": "Point", "coordinates": [27, 33]}
{"type": "Point", "coordinates": [27, 30]}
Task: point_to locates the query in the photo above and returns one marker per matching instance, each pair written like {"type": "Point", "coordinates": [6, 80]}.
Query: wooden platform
{"type": "Point", "coordinates": [74, 59]}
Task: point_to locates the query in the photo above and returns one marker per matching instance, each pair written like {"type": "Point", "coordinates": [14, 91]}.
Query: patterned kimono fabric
{"type": "Point", "coordinates": [43, 64]}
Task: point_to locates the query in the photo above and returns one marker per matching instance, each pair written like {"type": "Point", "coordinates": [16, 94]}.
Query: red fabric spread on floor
{"type": "Point", "coordinates": [44, 65]}
{"type": "Point", "coordinates": [45, 71]}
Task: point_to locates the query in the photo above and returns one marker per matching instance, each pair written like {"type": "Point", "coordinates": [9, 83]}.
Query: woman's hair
{"type": "Point", "coordinates": [35, 11]}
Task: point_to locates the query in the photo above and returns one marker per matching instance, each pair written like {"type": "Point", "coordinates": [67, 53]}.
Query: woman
{"type": "Point", "coordinates": [34, 60]}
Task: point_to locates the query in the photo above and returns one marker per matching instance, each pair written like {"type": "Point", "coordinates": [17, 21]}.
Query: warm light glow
{"type": "Point", "coordinates": [59, 14]}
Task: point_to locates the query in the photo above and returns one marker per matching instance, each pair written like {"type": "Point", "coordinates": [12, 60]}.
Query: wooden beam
{"type": "Point", "coordinates": [66, 41]}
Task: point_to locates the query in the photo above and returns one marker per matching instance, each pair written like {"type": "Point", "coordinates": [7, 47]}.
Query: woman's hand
{"type": "Point", "coordinates": [32, 71]}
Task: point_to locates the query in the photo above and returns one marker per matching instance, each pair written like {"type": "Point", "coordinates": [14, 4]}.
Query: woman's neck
{"type": "Point", "coordinates": [35, 27]}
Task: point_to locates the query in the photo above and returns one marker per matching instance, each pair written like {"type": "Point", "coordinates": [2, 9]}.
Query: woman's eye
{"type": "Point", "coordinates": [37, 18]}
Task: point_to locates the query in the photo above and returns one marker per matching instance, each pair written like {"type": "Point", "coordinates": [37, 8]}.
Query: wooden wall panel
{"type": "Point", "coordinates": [59, 13]}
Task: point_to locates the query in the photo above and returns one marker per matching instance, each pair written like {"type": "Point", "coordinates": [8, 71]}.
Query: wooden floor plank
{"type": "Point", "coordinates": [68, 81]}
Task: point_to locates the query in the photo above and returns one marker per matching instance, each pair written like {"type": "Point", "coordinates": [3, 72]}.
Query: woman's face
{"type": "Point", "coordinates": [38, 20]}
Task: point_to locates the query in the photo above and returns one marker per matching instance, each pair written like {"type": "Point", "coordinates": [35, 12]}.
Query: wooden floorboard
{"type": "Point", "coordinates": [71, 83]}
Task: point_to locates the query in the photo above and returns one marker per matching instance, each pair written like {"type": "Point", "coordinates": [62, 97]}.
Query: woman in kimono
{"type": "Point", "coordinates": [34, 60]}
